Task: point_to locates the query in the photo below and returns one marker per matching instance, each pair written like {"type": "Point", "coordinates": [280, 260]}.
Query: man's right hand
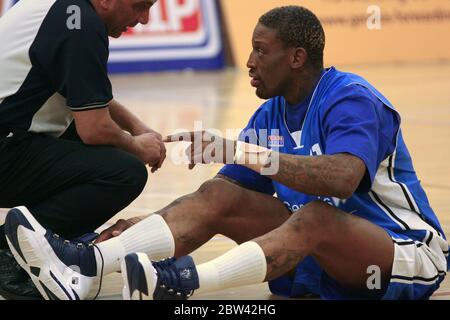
{"type": "Point", "coordinates": [150, 149]}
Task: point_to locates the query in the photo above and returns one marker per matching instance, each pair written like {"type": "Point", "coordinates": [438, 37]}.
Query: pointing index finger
{"type": "Point", "coordinates": [182, 136]}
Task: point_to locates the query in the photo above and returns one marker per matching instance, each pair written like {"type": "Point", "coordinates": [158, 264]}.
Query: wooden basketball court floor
{"type": "Point", "coordinates": [225, 100]}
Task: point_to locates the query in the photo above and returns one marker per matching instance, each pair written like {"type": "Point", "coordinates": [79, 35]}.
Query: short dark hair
{"type": "Point", "coordinates": [298, 27]}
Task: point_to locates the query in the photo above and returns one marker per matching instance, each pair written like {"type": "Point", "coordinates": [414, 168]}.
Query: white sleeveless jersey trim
{"type": "Point", "coordinates": [17, 36]}
{"type": "Point", "coordinates": [390, 191]}
{"type": "Point", "coordinates": [395, 200]}
{"type": "Point", "coordinates": [389, 196]}
{"type": "Point", "coordinates": [53, 118]}
{"type": "Point", "coordinates": [411, 202]}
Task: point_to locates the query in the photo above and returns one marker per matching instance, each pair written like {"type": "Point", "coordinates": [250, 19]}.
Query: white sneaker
{"type": "Point", "coordinates": [60, 269]}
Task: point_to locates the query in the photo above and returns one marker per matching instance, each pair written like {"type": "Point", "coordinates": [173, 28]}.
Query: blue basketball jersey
{"type": "Point", "coordinates": [393, 198]}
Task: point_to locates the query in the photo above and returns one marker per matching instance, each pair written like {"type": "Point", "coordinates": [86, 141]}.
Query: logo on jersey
{"type": "Point", "coordinates": [275, 141]}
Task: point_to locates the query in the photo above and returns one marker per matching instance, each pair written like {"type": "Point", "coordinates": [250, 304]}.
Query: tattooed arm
{"type": "Point", "coordinates": [336, 175]}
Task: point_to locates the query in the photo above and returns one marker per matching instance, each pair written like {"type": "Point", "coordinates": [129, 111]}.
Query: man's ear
{"type": "Point", "coordinates": [298, 57]}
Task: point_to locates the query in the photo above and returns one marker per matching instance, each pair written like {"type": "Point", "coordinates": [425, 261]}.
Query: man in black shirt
{"type": "Point", "coordinates": [69, 152]}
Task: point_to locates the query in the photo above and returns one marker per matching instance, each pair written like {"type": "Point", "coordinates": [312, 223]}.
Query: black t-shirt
{"type": "Point", "coordinates": [54, 61]}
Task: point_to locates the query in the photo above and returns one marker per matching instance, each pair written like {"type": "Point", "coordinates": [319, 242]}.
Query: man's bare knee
{"type": "Point", "coordinates": [216, 194]}
{"type": "Point", "coordinates": [312, 225]}
{"type": "Point", "coordinates": [314, 215]}
{"type": "Point", "coordinates": [213, 186]}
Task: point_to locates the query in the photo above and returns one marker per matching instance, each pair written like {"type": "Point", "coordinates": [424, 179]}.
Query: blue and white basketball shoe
{"type": "Point", "coordinates": [170, 279]}
{"type": "Point", "coordinates": [60, 269]}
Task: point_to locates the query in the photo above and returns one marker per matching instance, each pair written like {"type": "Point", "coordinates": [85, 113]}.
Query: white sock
{"type": "Point", "coordinates": [243, 265]}
{"type": "Point", "coordinates": [151, 236]}
{"type": "Point", "coordinates": [112, 252]}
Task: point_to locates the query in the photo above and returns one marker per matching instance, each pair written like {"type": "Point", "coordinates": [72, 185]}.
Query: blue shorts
{"type": "Point", "coordinates": [417, 271]}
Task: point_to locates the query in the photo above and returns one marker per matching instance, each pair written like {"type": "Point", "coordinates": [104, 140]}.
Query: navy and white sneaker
{"type": "Point", "coordinates": [60, 269]}
{"type": "Point", "coordinates": [170, 279]}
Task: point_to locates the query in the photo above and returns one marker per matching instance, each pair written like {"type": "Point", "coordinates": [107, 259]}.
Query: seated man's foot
{"type": "Point", "coordinates": [60, 269]}
{"type": "Point", "coordinates": [15, 283]}
{"type": "Point", "coordinates": [170, 279]}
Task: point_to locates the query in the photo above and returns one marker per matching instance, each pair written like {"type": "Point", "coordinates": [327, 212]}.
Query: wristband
{"type": "Point", "coordinates": [251, 154]}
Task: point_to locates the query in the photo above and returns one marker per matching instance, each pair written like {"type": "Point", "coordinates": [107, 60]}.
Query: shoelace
{"type": "Point", "coordinates": [101, 272]}
{"type": "Point", "coordinates": [81, 245]}
{"type": "Point", "coordinates": [169, 274]}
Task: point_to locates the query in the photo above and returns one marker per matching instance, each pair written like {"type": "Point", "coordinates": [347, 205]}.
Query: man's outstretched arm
{"type": "Point", "coordinates": [337, 175]}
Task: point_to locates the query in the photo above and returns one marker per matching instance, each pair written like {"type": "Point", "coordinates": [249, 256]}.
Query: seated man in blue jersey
{"type": "Point", "coordinates": [350, 219]}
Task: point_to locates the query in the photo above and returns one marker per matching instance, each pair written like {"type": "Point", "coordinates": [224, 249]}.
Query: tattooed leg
{"type": "Point", "coordinates": [342, 244]}
{"type": "Point", "coordinates": [221, 207]}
